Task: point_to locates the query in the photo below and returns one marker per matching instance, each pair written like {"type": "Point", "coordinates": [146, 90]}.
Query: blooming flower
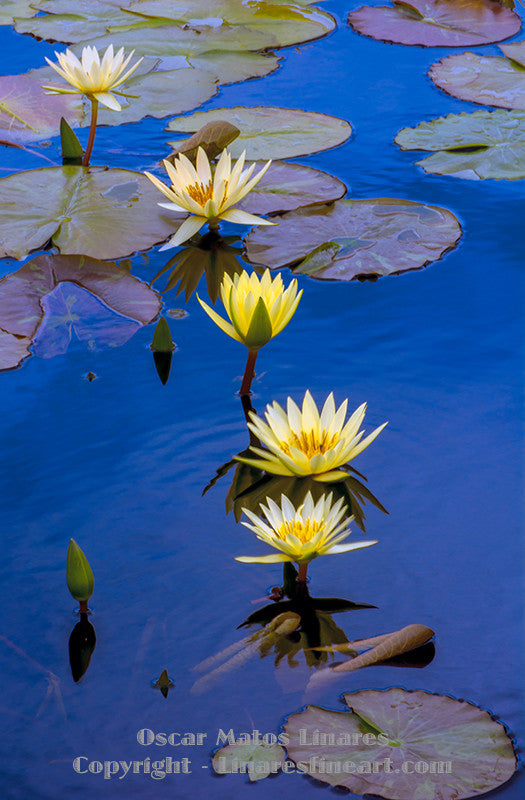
{"type": "Point", "coordinates": [258, 308]}
{"type": "Point", "coordinates": [207, 196]}
{"type": "Point", "coordinates": [306, 443]}
{"type": "Point", "coordinates": [303, 534]}
{"type": "Point", "coordinates": [91, 77]}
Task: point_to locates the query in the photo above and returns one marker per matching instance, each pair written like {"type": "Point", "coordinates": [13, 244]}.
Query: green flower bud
{"type": "Point", "coordinates": [80, 580]}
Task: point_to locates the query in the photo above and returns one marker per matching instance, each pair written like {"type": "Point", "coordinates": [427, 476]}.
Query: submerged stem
{"type": "Point", "coordinates": [249, 372]}
{"type": "Point", "coordinates": [92, 131]}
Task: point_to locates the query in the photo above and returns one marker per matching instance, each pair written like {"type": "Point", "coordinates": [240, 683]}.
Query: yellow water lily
{"type": "Point", "coordinates": [258, 308]}
{"type": "Point", "coordinates": [208, 194]}
{"type": "Point", "coordinates": [302, 534]}
{"type": "Point", "coordinates": [304, 442]}
{"type": "Point", "coordinates": [92, 77]}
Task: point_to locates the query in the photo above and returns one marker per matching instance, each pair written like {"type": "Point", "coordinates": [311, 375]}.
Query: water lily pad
{"type": "Point", "coordinates": [259, 760]}
{"type": "Point", "coordinates": [356, 238]}
{"type": "Point", "coordinates": [285, 187]}
{"type": "Point", "coordinates": [417, 729]}
{"type": "Point", "coordinates": [33, 306]}
{"type": "Point", "coordinates": [437, 23]}
{"type": "Point", "coordinates": [15, 8]}
{"type": "Point", "coordinates": [27, 113]}
{"type": "Point", "coordinates": [102, 213]}
{"type": "Point", "coordinates": [477, 145]}
{"type": "Point", "coordinates": [81, 20]}
{"type": "Point", "coordinates": [271, 132]}
{"type": "Point", "coordinates": [490, 81]}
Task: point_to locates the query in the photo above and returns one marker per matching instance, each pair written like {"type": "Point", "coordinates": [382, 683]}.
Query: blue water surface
{"type": "Point", "coordinates": [120, 464]}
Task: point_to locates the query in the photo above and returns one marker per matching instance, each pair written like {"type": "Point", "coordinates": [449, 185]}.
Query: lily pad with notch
{"type": "Point", "coordinates": [418, 727]}
{"type": "Point", "coordinates": [271, 132]}
{"type": "Point", "coordinates": [437, 23]}
{"type": "Point", "coordinates": [476, 145]}
{"type": "Point", "coordinates": [356, 239]}
{"type": "Point", "coordinates": [489, 81]}
{"type": "Point", "coordinates": [101, 213]}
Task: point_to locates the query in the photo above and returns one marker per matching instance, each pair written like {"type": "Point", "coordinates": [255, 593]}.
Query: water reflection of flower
{"type": "Point", "coordinates": [305, 442]}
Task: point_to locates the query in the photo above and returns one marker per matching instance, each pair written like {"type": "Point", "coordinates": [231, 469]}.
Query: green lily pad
{"type": "Point", "coordinates": [28, 114]}
{"type": "Point", "coordinates": [355, 238]}
{"type": "Point", "coordinates": [33, 306]}
{"type": "Point", "coordinates": [15, 8]}
{"type": "Point", "coordinates": [101, 213]}
{"type": "Point", "coordinates": [259, 760]}
{"type": "Point", "coordinates": [271, 132]}
{"type": "Point", "coordinates": [286, 187]}
{"type": "Point", "coordinates": [476, 146]}
{"type": "Point", "coordinates": [490, 81]}
{"type": "Point", "coordinates": [279, 25]}
{"type": "Point", "coordinates": [437, 23]}
{"type": "Point", "coordinates": [413, 730]}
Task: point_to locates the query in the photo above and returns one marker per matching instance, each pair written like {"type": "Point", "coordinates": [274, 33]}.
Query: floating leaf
{"type": "Point", "coordinates": [10, 9]}
{"type": "Point", "coordinates": [213, 137]}
{"type": "Point", "coordinates": [493, 81]}
{"type": "Point", "coordinates": [477, 145]}
{"type": "Point", "coordinates": [381, 648]}
{"type": "Point", "coordinates": [470, 752]}
{"type": "Point", "coordinates": [285, 187]}
{"type": "Point", "coordinates": [356, 238]}
{"type": "Point", "coordinates": [102, 213]}
{"type": "Point", "coordinates": [259, 760]}
{"type": "Point", "coordinates": [28, 114]}
{"type": "Point", "coordinates": [23, 294]}
{"type": "Point", "coordinates": [437, 23]}
{"type": "Point", "coordinates": [255, 25]}
{"type": "Point", "coordinates": [270, 132]}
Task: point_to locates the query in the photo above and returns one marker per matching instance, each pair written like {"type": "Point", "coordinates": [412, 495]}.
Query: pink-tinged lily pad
{"type": "Point", "coordinates": [490, 81]}
{"type": "Point", "coordinates": [437, 23]}
{"type": "Point", "coordinates": [427, 746]}
{"type": "Point", "coordinates": [52, 296]}
{"type": "Point", "coordinates": [101, 213]}
{"type": "Point", "coordinates": [285, 187]}
{"type": "Point", "coordinates": [28, 114]}
{"type": "Point", "coordinates": [355, 238]}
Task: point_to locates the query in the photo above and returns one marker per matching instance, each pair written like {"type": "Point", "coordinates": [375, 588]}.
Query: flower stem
{"type": "Point", "coordinates": [303, 568]}
{"type": "Point", "coordinates": [92, 131]}
{"type": "Point", "coordinates": [83, 607]}
{"type": "Point", "coordinates": [249, 372]}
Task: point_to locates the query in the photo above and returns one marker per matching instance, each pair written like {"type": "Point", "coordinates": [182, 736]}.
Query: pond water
{"type": "Point", "coordinates": [120, 464]}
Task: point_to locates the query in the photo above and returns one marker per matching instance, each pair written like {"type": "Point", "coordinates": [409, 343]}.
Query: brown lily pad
{"type": "Point", "coordinates": [434, 746]}
{"type": "Point", "coordinates": [102, 291]}
{"type": "Point", "coordinates": [437, 23]}
{"type": "Point", "coordinates": [355, 238]}
{"type": "Point", "coordinates": [490, 81]}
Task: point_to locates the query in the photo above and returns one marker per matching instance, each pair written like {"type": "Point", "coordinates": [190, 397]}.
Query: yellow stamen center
{"type": "Point", "coordinates": [311, 443]}
{"type": "Point", "coordinates": [200, 193]}
{"type": "Point", "coordinates": [304, 531]}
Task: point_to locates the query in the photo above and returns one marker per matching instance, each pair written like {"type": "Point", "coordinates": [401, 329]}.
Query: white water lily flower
{"type": "Point", "coordinates": [304, 442]}
{"type": "Point", "coordinates": [92, 77]}
{"type": "Point", "coordinates": [302, 534]}
{"type": "Point", "coordinates": [208, 194]}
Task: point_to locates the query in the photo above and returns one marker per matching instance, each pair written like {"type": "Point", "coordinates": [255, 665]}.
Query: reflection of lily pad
{"type": "Point", "coordinates": [259, 760]}
{"type": "Point", "coordinates": [255, 25]}
{"type": "Point", "coordinates": [420, 729]}
{"type": "Point", "coordinates": [28, 295]}
{"type": "Point", "coordinates": [285, 187]}
{"type": "Point", "coordinates": [437, 23]}
{"type": "Point", "coordinates": [477, 145]}
{"type": "Point", "coordinates": [270, 132]}
{"type": "Point", "coordinates": [493, 81]}
{"type": "Point", "coordinates": [100, 213]}
{"type": "Point", "coordinates": [356, 238]}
